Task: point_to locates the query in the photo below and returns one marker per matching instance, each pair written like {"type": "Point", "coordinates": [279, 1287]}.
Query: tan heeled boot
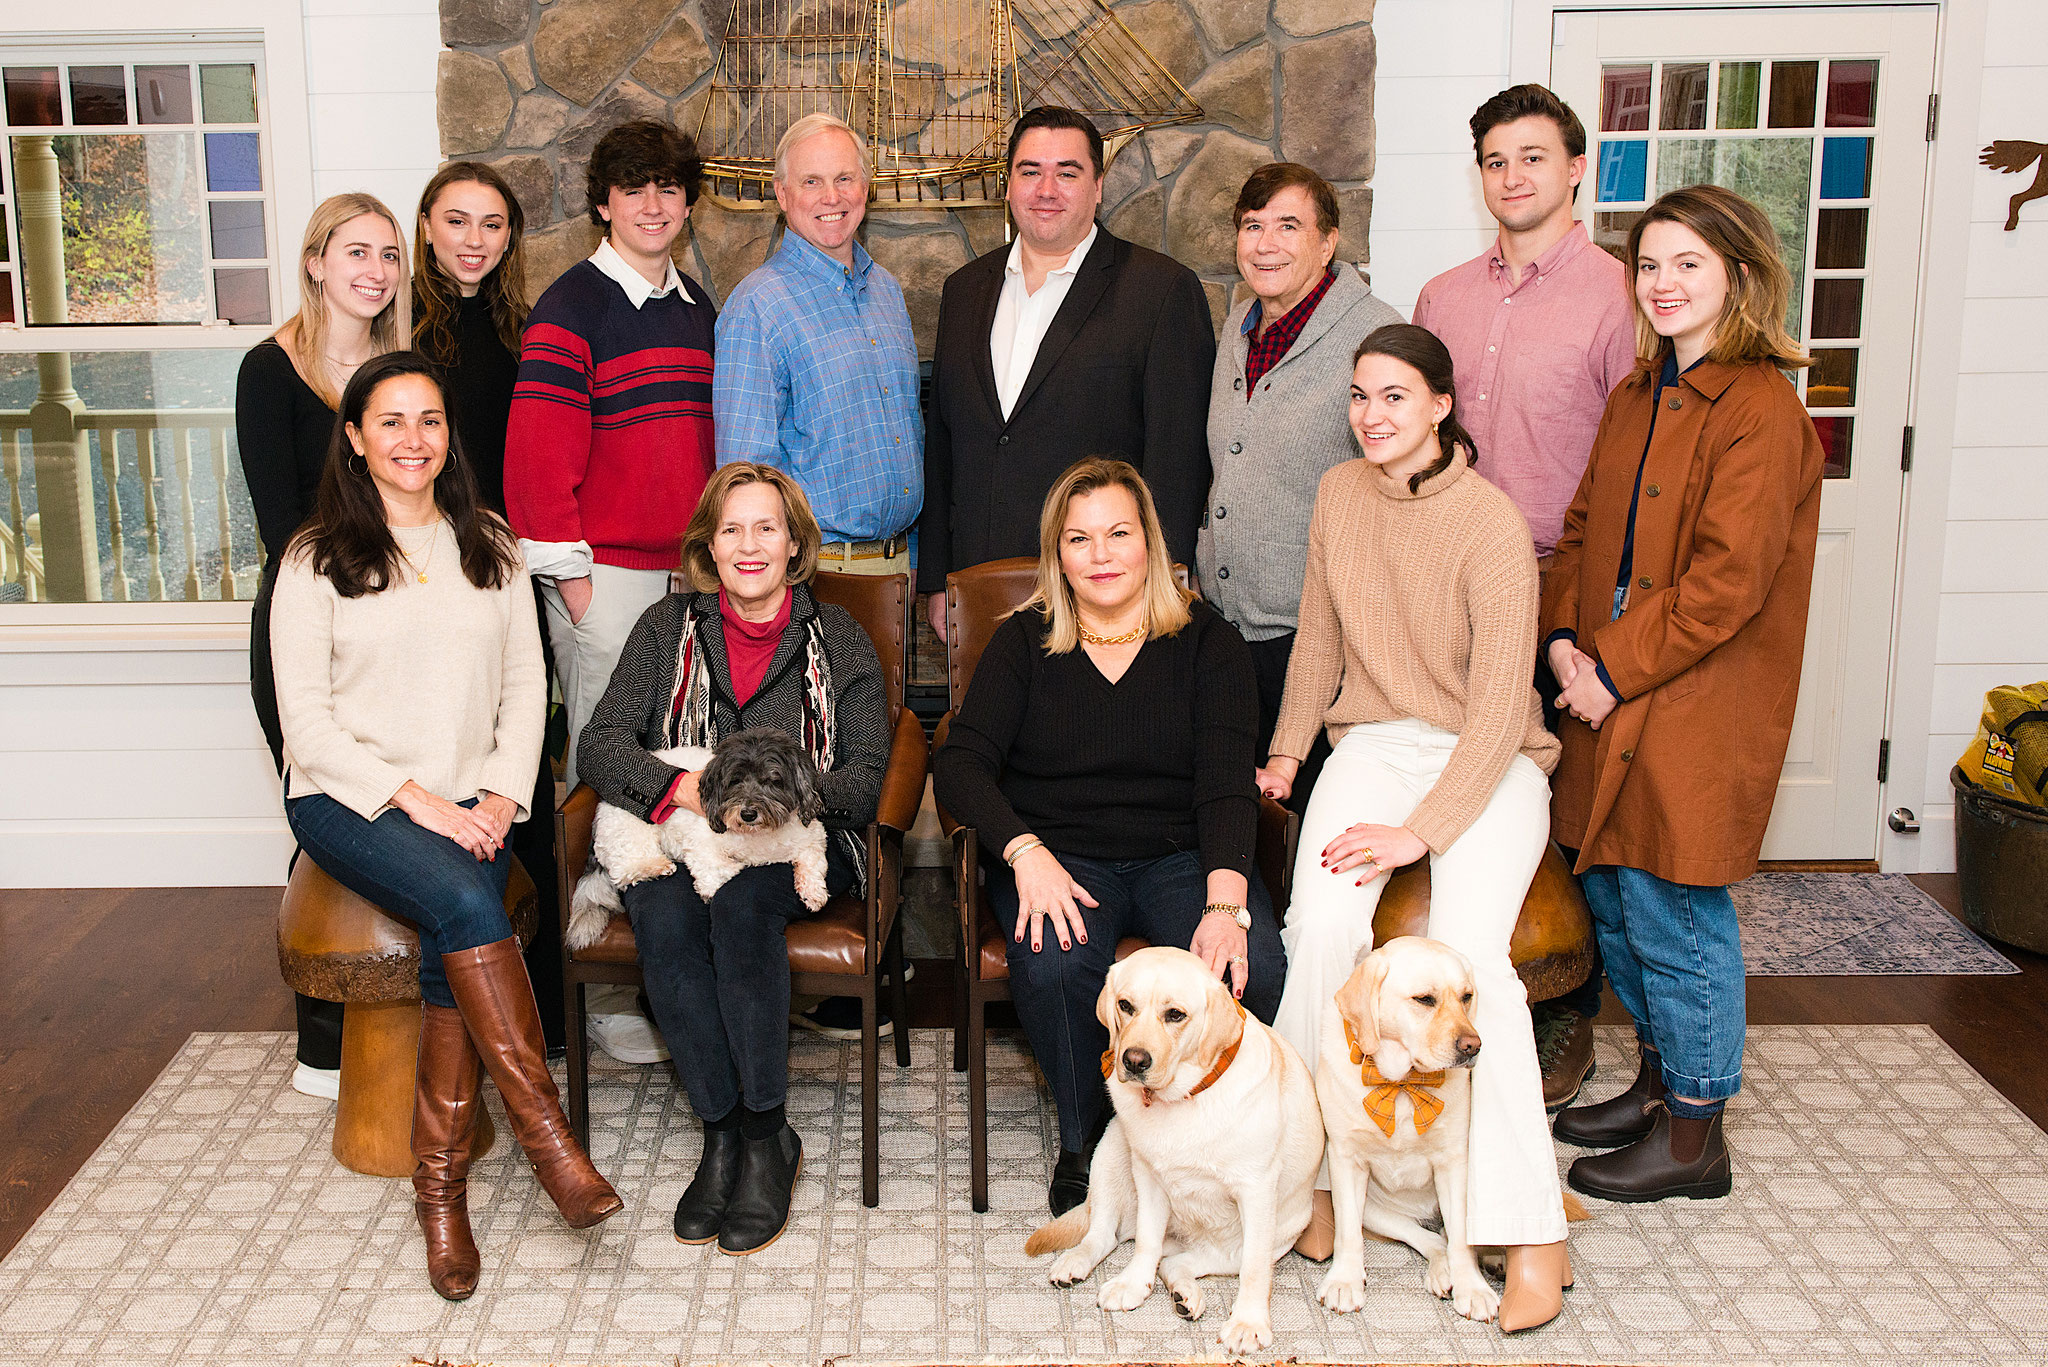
{"type": "Point", "coordinates": [1319, 1240]}
{"type": "Point", "coordinates": [1537, 1277]}
{"type": "Point", "coordinates": [444, 1110]}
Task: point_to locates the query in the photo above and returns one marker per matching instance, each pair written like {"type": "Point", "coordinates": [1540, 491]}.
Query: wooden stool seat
{"type": "Point", "coordinates": [336, 945]}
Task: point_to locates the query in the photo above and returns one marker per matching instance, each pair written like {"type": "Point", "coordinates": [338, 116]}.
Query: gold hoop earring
{"type": "Point", "coordinates": [355, 460]}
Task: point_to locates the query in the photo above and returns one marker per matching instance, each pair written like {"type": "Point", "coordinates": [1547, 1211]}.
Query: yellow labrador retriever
{"type": "Point", "coordinates": [1395, 1084]}
{"type": "Point", "coordinates": [1210, 1162]}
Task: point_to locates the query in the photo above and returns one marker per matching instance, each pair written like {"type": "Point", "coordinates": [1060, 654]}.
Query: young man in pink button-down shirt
{"type": "Point", "coordinates": [1541, 328]}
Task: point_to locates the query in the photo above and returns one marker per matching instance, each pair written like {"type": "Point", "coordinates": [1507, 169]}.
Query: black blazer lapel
{"type": "Point", "coordinates": [1082, 296]}
{"type": "Point", "coordinates": [987, 293]}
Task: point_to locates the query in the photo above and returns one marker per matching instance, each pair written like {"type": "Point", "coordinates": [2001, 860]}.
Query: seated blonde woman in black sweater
{"type": "Point", "coordinates": [1105, 756]}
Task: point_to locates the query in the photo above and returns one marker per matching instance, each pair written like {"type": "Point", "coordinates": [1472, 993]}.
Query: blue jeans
{"type": "Point", "coordinates": [1054, 989]}
{"type": "Point", "coordinates": [717, 976]}
{"type": "Point", "coordinates": [1674, 955]}
{"type": "Point", "coordinates": [456, 900]}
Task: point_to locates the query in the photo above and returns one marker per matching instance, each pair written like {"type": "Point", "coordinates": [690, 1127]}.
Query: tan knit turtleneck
{"type": "Point", "coordinates": [1420, 605]}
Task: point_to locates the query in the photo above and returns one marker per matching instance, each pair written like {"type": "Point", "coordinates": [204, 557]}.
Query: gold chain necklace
{"type": "Point", "coordinates": [433, 541]}
{"type": "Point", "coordinates": [1136, 634]}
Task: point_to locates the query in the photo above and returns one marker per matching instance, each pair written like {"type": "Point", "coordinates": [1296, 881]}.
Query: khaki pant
{"type": "Point", "coordinates": [586, 652]}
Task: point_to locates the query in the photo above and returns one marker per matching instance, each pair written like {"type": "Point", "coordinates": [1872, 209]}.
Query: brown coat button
{"type": "Point", "coordinates": [1674, 403]}
{"type": "Point", "coordinates": [1653, 490]}
{"type": "Point", "coordinates": [1627, 755]}
{"type": "Point", "coordinates": [1643, 582]}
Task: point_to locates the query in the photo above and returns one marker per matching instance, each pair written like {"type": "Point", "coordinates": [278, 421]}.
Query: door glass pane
{"type": "Point", "coordinates": [134, 237]}
{"type": "Point", "coordinates": [1793, 86]}
{"type": "Point", "coordinates": [1831, 383]}
{"type": "Point", "coordinates": [1624, 169]}
{"type": "Point", "coordinates": [237, 229]}
{"type": "Point", "coordinates": [227, 94]}
{"type": "Point", "coordinates": [1777, 173]}
{"type": "Point", "coordinates": [1741, 85]}
{"type": "Point", "coordinates": [164, 93]}
{"type": "Point", "coordinates": [1624, 99]}
{"type": "Point", "coordinates": [99, 94]}
{"type": "Point", "coordinates": [1845, 168]}
{"type": "Point", "coordinates": [242, 294]}
{"type": "Point", "coordinates": [32, 98]}
{"type": "Point", "coordinates": [1685, 97]}
{"type": "Point", "coordinates": [6, 297]}
{"type": "Point", "coordinates": [1610, 234]}
{"type": "Point", "coordinates": [1835, 435]}
{"type": "Point", "coordinates": [1840, 244]}
{"type": "Point", "coordinates": [1837, 308]}
{"type": "Point", "coordinates": [1852, 94]}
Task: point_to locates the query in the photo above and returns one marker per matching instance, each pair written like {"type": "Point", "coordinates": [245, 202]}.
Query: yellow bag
{"type": "Point", "coordinates": [2009, 757]}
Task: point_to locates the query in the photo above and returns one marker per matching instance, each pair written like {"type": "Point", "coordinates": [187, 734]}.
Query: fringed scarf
{"type": "Point", "coordinates": [689, 710]}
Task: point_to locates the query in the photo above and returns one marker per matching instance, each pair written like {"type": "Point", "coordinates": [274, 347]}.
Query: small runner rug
{"type": "Point", "coordinates": [1815, 925]}
{"type": "Point", "coordinates": [1890, 1209]}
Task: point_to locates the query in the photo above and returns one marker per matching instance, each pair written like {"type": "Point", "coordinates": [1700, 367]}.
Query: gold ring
{"type": "Point", "coordinates": [1370, 857]}
{"type": "Point", "coordinates": [1238, 959]}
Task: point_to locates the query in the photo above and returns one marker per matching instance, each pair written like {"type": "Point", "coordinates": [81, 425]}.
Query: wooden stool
{"type": "Point", "coordinates": [334, 945]}
{"type": "Point", "coordinates": [1552, 944]}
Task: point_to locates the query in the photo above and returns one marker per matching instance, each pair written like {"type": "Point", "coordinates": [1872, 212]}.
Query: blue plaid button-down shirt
{"type": "Point", "coordinates": [816, 374]}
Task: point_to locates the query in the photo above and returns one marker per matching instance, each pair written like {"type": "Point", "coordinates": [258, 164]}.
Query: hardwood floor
{"type": "Point", "coordinates": [99, 988]}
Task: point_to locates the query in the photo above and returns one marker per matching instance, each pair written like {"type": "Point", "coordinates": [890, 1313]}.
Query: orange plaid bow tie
{"type": "Point", "coordinates": [1381, 1093]}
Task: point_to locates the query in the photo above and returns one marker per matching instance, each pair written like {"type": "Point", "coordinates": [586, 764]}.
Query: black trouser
{"type": "Point", "coordinates": [717, 976]}
{"type": "Point", "coordinates": [1269, 666]}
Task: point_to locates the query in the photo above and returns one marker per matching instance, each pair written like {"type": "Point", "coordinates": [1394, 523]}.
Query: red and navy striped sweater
{"type": "Point", "coordinates": [610, 438]}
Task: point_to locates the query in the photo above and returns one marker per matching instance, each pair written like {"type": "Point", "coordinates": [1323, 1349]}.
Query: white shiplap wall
{"type": "Point", "coordinates": [370, 67]}
{"type": "Point", "coordinates": [1993, 625]}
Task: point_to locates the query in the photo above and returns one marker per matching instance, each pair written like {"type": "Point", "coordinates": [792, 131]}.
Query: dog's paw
{"type": "Point", "coordinates": [1478, 1302]}
{"type": "Point", "coordinates": [1187, 1298]}
{"type": "Point", "coordinates": [1343, 1290]}
{"type": "Point", "coordinates": [1070, 1267]}
{"type": "Point", "coordinates": [1245, 1335]}
{"type": "Point", "coordinates": [631, 871]}
{"type": "Point", "coordinates": [1437, 1276]}
{"type": "Point", "coordinates": [1123, 1293]}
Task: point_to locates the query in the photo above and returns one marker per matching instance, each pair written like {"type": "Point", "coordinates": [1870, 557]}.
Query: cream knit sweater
{"type": "Point", "coordinates": [1420, 605]}
{"type": "Point", "coordinates": [440, 683]}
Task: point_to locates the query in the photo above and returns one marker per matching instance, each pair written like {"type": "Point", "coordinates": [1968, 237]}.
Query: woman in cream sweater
{"type": "Point", "coordinates": [1418, 623]}
{"type": "Point", "coordinates": [410, 690]}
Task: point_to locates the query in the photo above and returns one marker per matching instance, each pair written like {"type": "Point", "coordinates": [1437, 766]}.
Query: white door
{"type": "Point", "coordinates": [1821, 117]}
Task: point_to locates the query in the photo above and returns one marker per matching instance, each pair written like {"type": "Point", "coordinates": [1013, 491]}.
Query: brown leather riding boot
{"type": "Point", "coordinates": [1618, 1120]}
{"type": "Point", "coordinates": [496, 997]}
{"type": "Point", "coordinates": [444, 1108]}
{"type": "Point", "coordinates": [1679, 1157]}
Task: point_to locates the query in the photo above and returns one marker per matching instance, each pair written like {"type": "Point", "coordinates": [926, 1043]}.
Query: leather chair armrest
{"type": "Point", "coordinates": [967, 895]}
{"type": "Point", "coordinates": [903, 781]}
{"type": "Point", "coordinates": [946, 823]}
{"type": "Point", "coordinates": [1278, 831]}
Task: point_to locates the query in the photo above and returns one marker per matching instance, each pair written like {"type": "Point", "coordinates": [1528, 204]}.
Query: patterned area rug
{"type": "Point", "coordinates": [1887, 1204]}
{"type": "Point", "coordinates": [1814, 925]}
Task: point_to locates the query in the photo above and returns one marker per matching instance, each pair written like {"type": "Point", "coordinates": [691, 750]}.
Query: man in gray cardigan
{"type": "Point", "coordinates": [1279, 415]}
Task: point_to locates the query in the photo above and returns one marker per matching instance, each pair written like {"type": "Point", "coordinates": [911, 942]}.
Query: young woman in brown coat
{"type": "Point", "coordinates": [1674, 618]}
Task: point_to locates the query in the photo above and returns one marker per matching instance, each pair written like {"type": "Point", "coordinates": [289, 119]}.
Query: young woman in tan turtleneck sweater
{"type": "Point", "coordinates": [1418, 625]}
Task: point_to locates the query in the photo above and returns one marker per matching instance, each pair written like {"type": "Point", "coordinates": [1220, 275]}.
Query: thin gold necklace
{"type": "Point", "coordinates": [1136, 634]}
{"type": "Point", "coordinates": [433, 540]}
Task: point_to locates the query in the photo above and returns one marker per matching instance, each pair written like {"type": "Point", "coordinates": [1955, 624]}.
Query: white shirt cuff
{"type": "Point", "coordinates": [556, 559]}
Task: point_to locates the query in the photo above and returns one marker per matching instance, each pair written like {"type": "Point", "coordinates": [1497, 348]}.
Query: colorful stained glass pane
{"type": "Point", "coordinates": [1845, 168]}
{"type": "Point", "coordinates": [1793, 86]}
{"type": "Point", "coordinates": [1610, 233]}
{"type": "Point", "coordinates": [1837, 308]}
{"type": "Point", "coordinates": [1852, 94]}
{"type": "Point", "coordinates": [1741, 89]}
{"type": "Point", "coordinates": [1835, 435]}
{"type": "Point", "coordinates": [1624, 171]}
{"type": "Point", "coordinates": [237, 229]}
{"type": "Point", "coordinates": [1831, 383]}
{"type": "Point", "coordinates": [242, 294]}
{"type": "Point", "coordinates": [1774, 173]}
{"type": "Point", "coordinates": [32, 97]}
{"type": "Point", "coordinates": [1624, 99]}
{"type": "Point", "coordinates": [1685, 97]}
{"type": "Point", "coordinates": [227, 94]}
{"type": "Point", "coordinates": [1843, 236]}
{"type": "Point", "coordinates": [163, 94]}
{"type": "Point", "coordinates": [99, 94]}
{"type": "Point", "coordinates": [233, 162]}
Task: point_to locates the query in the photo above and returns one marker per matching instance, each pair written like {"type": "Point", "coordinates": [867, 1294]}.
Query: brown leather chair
{"type": "Point", "coordinates": [339, 947]}
{"type": "Point", "coordinates": [1552, 946]}
{"type": "Point", "coordinates": [843, 949]}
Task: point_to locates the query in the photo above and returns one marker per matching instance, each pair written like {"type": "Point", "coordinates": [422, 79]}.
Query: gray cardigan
{"type": "Point", "coordinates": [1269, 454]}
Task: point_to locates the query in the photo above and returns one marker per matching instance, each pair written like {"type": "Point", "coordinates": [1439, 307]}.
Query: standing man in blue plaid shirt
{"type": "Point", "coordinates": [817, 368]}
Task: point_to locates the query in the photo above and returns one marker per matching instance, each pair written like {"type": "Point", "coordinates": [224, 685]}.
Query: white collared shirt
{"type": "Point", "coordinates": [607, 259]}
{"type": "Point", "coordinates": [1022, 318]}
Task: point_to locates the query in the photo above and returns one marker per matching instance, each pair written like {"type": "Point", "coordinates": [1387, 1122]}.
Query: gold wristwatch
{"type": "Point", "coordinates": [1241, 915]}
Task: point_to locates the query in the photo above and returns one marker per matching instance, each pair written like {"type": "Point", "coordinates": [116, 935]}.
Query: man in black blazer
{"type": "Point", "coordinates": [1069, 342]}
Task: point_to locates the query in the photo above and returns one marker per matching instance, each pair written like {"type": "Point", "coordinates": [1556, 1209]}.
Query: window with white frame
{"type": "Point", "coordinates": [139, 259]}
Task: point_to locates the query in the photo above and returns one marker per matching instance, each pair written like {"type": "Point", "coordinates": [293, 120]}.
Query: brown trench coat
{"type": "Point", "coordinates": [1680, 778]}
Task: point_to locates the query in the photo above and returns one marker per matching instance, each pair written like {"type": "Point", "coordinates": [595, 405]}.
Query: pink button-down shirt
{"type": "Point", "coordinates": [1536, 359]}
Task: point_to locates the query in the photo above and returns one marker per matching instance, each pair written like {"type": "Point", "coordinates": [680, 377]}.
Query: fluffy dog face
{"type": "Point", "coordinates": [1168, 1018]}
{"type": "Point", "coordinates": [758, 780]}
{"type": "Point", "coordinates": [1417, 993]}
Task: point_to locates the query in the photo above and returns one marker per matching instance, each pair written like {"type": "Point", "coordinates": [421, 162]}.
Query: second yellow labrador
{"type": "Point", "coordinates": [1210, 1163]}
{"type": "Point", "coordinates": [1395, 1084]}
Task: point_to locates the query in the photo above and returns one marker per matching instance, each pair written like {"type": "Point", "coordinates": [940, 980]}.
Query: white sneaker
{"type": "Point", "coordinates": [628, 1038]}
{"type": "Point", "coordinates": [324, 1083]}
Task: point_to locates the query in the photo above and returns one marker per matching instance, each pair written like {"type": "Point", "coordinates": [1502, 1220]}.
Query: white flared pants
{"type": "Point", "coordinates": [1378, 773]}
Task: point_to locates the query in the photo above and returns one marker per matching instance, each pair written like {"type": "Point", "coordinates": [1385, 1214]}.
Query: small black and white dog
{"type": "Point", "coordinates": [761, 799]}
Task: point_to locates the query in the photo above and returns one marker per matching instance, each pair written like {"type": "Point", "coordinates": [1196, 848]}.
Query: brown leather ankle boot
{"type": "Point", "coordinates": [1679, 1157]}
{"type": "Point", "coordinates": [444, 1109]}
{"type": "Point", "coordinates": [496, 997]}
{"type": "Point", "coordinates": [1618, 1120]}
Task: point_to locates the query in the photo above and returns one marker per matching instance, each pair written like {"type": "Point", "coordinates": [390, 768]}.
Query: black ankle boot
{"type": "Point", "coordinates": [702, 1209]}
{"type": "Point", "coordinates": [1680, 1156]}
{"type": "Point", "coordinates": [759, 1209]}
{"type": "Point", "coordinates": [1069, 1182]}
{"type": "Point", "coordinates": [1618, 1120]}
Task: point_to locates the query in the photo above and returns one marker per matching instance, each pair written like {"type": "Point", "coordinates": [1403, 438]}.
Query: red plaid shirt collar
{"type": "Point", "coordinates": [1269, 346]}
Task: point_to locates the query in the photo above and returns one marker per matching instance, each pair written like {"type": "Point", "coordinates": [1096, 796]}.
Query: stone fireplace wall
{"type": "Point", "coordinates": [530, 85]}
